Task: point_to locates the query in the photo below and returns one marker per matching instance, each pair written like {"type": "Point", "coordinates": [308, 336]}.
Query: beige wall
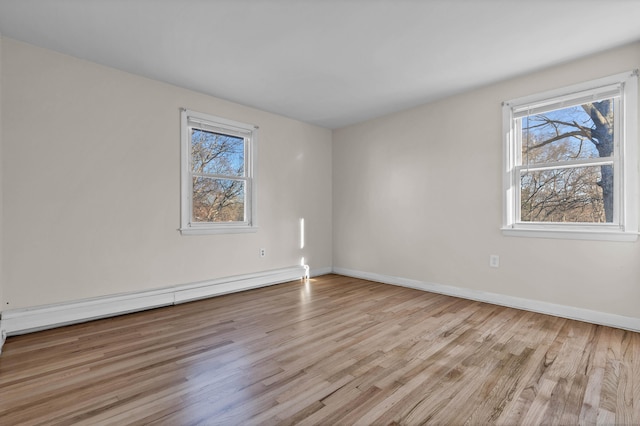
{"type": "Point", "coordinates": [91, 169]}
{"type": "Point", "coordinates": [417, 195]}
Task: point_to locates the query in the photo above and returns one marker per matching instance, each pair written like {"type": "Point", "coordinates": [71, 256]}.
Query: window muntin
{"type": "Point", "coordinates": [218, 186]}
{"type": "Point", "coordinates": [570, 161]}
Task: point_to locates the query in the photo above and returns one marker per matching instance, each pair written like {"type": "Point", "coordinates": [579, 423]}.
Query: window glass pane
{"type": "Point", "coordinates": [573, 133]}
{"type": "Point", "coordinates": [218, 200]}
{"type": "Point", "coordinates": [216, 153]}
{"type": "Point", "coordinates": [580, 194]}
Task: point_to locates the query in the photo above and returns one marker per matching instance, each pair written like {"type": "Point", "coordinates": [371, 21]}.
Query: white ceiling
{"type": "Point", "coordinates": [332, 62]}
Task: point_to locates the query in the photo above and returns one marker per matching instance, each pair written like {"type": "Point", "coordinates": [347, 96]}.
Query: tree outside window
{"type": "Point", "coordinates": [575, 191]}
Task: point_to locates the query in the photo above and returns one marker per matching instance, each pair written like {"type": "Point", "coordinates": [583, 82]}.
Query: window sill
{"type": "Point", "coordinates": [218, 230]}
{"type": "Point", "coordinates": [572, 234]}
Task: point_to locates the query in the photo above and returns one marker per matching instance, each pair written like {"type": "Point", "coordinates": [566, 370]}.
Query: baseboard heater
{"type": "Point", "coordinates": [27, 320]}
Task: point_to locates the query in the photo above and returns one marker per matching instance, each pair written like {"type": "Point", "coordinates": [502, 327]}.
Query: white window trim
{"type": "Point", "coordinates": [233, 127]}
{"type": "Point", "coordinates": [626, 197]}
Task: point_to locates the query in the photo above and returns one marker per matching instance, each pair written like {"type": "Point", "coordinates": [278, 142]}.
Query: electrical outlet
{"type": "Point", "coordinates": [494, 260]}
{"type": "Point", "coordinates": [263, 252]}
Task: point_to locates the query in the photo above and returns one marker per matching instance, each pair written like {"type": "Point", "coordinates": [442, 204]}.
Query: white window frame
{"type": "Point", "coordinates": [234, 128]}
{"type": "Point", "coordinates": [625, 161]}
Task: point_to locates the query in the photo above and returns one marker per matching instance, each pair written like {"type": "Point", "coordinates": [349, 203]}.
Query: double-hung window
{"type": "Point", "coordinates": [218, 177]}
{"type": "Point", "coordinates": [571, 161]}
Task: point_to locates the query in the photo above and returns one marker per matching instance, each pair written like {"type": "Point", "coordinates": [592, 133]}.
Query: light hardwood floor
{"type": "Point", "coordinates": [332, 351]}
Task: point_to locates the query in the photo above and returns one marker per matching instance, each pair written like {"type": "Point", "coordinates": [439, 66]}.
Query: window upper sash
{"type": "Point", "coordinates": [569, 100]}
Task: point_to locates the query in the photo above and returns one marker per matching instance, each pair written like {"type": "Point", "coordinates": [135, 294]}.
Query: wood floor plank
{"type": "Point", "coordinates": [332, 350]}
{"type": "Point", "coordinates": [635, 377]}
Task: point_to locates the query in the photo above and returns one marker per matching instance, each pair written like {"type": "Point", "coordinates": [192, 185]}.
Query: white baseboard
{"type": "Point", "coordinates": [580, 314]}
{"type": "Point", "coordinates": [201, 290]}
{"type": "Point", "coordinates": [316, 272]}
{"type": "Point", "coordinates": [3, 336]}
{"type": "Point", "coordinates": [21, 321]}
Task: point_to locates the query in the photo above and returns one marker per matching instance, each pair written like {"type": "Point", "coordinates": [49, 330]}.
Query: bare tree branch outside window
{"type": "Point", "coordinates": [572, 193]}
{"type": "Point", "coordinates": [217, 164]}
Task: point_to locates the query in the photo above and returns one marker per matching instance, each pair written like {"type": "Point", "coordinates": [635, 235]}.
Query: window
{"type": "Point", "coordinates": [218, 176]}
{"type": "Point", "coordinates": [571, 161]}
